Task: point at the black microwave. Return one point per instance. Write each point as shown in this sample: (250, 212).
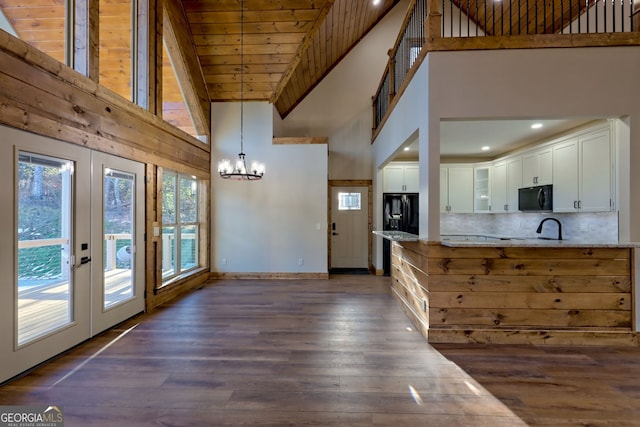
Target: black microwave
(539, 198)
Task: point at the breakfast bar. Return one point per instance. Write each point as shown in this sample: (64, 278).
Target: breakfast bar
(516, 291)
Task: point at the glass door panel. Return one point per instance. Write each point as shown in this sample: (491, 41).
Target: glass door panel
(118, 200)
(44, 279)
(118, 232)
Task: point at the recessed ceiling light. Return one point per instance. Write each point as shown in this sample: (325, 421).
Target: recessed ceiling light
(406, 149)
(536, 126)
(376, 2)
(486, 148)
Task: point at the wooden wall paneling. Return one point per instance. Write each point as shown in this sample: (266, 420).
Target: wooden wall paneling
(153, 253)
(539, 338)
(39, 60)
(509, 283)
(187, 67)
(518, 319)
(516, 294)
(122, 129)
(526, 300)
(525, 267)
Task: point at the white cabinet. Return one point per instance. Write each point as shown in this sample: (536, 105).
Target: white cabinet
(456, 189)
(506, 178)
(537, 167)
(583, 173)
(481, 190)
(401, 178)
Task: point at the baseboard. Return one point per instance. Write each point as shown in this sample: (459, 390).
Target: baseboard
(216, 275)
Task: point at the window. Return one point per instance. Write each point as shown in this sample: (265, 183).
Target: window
(40, 23)
(116, 45)
(180, 224)
(174, 107)
(44, 240)
(349, 201)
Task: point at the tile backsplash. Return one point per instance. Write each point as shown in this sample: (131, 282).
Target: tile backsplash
(577, 227)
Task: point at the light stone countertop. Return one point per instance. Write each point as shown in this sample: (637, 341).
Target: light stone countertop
(482, 240)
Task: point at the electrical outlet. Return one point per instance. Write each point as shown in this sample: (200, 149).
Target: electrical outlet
(584, 228)
(223, 261)
(300, 261)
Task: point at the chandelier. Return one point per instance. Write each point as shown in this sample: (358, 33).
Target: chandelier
(239, 170)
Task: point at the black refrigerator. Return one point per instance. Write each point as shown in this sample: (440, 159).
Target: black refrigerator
(400, 213)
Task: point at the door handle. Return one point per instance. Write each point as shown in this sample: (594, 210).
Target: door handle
(85, 260)
(334, 233)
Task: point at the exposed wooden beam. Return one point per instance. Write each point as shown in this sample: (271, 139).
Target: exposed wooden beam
(187, 67)
(301, 140)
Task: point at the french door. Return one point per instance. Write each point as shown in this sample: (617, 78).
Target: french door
(71, 209)
(117, 234)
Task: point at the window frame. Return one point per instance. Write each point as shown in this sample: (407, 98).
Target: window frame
(178, 224)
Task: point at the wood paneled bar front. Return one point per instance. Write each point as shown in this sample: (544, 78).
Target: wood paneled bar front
(550, 293)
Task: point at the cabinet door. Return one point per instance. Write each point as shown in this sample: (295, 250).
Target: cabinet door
(499, 187)
(444, 189)
(481, 190)
(461, 189)
(393, 179)
(514, 182)
(537, 167)
(565, 172)
(545, 166)
(529, 169)
(412, 178)
(595, 172)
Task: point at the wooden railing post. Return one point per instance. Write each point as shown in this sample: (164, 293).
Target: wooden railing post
(392, 74)
(433, 22)
(636, 17)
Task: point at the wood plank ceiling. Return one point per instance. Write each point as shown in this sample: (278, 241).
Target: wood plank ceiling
(289, 45)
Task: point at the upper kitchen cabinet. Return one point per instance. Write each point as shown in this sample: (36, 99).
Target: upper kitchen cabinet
(456, 188)
(537, 167)
(506, 178)
(583, 172)
(401, 177)
(481, 189)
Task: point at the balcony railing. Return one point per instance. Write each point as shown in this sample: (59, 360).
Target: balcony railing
(487, 24)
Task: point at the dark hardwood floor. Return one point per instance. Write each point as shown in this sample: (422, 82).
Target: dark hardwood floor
(336, 352)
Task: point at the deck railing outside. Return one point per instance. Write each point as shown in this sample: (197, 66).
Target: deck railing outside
(429, 20)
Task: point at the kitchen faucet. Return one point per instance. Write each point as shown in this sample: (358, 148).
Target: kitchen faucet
(539, 230)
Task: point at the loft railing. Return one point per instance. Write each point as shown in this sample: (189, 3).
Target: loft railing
(486, 24)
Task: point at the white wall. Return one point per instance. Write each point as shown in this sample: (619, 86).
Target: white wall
(267, 226)
(339, 107)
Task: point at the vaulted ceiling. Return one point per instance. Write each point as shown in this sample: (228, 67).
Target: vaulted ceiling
(288, 45)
